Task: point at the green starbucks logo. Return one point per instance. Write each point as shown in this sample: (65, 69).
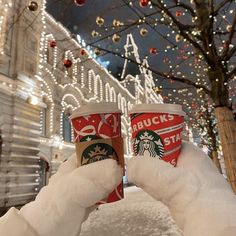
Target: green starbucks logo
(98, 152)
(149, 143)
(88, 138)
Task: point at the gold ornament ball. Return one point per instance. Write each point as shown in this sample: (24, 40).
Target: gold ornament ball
(94, 34)
(143, 32)
(178, 38)
(117, 23)
(33, 6)
(97, 51)
(116, 38)
(228, 28)
(99, 21)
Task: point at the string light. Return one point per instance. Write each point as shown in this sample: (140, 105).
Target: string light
(72, 83)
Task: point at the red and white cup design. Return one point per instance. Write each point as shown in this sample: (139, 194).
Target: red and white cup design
(98, 121)
(156, 131)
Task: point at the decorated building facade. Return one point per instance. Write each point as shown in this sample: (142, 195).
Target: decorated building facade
(45, 74)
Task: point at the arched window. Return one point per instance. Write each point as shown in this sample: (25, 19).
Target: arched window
(107, 92)
(100, 88)
(112, 95)
(45, 117)
(96, 92)
(43, 121)
(119, 101)
(66, 127)
(49, 54)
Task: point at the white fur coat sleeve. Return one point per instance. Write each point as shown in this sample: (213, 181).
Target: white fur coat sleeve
(61, 207)
(199, 198)
(13, 224)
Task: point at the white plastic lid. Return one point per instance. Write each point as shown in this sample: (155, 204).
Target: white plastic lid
(96, 108)
(160, 107)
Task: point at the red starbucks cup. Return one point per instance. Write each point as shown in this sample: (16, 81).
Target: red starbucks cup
(97, 136)
(156, 130)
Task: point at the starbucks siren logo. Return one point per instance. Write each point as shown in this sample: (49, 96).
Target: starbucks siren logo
(98, 152)
(149, 143)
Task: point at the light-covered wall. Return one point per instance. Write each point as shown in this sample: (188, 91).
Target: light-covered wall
(37, 91)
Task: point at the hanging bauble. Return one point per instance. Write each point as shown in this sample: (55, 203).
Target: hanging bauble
(152, 50)
(97, 51)
(52, 43)
(196, 61)
(116, 38)
(143, 3)
(79, 3)
(99, 21)
(186, 45)
(143, 32)
(94, 34)
(165, 60)
(117, 23)
(67, 63)
(178, 13)
(225, 45)
(157, 90)
(178, 38)
(228, 28)
(82, 52)
(33, 6)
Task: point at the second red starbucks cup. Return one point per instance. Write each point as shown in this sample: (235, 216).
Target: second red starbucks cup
(97, 136)
(156, 130)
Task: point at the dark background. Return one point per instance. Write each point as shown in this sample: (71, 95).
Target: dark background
(82, 20)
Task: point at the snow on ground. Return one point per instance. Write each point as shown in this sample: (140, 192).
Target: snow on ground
(137, 214)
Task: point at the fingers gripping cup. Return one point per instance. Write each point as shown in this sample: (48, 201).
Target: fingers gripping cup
(97, 136)
(156, 130)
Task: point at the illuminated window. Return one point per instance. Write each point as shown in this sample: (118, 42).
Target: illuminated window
(66, 128)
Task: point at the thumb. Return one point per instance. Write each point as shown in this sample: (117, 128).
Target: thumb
(88, 184)
(173, 186)
(61, 207)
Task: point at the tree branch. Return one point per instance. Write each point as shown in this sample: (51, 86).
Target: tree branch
(182, 32)
(228, 42)
(230, 53)
(221, 4)
(162, 74)
(185, 6)
(232, 74)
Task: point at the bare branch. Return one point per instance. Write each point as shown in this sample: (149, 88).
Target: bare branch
(232, 73)
(228, 42)
(230, 53)
(181, 28)
(223, 32)
(221, 5)
(185, 6)
(162, 74)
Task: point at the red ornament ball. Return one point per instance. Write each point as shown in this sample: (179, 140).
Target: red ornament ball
(165, 60)
(225, 45)
(178, 13)
(153, 51)
(67, 63)
(53, 43)
(143, 3)
(79, 3)
(83, 52)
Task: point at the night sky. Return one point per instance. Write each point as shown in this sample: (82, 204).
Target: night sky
(172, 55)
(82, 21)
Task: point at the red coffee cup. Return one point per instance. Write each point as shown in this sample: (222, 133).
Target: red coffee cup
(156, 130)
(97, 136)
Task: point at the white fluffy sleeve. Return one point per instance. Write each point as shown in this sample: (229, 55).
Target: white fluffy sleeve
(13, 224)
(199, 198)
